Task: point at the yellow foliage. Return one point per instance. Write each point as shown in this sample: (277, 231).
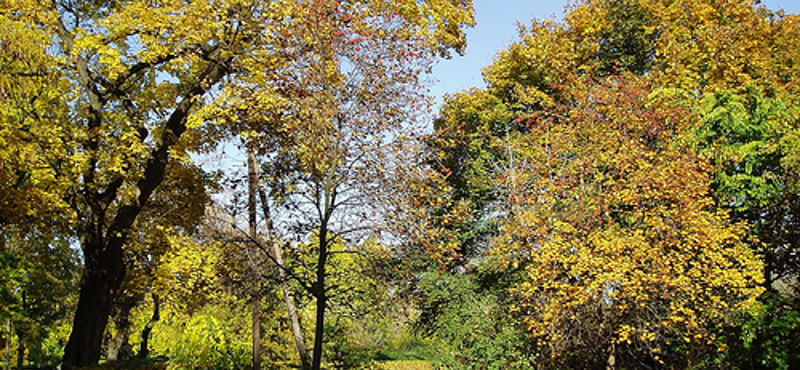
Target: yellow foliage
(617, 224)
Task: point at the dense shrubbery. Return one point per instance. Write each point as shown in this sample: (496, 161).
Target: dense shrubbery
(467, 316)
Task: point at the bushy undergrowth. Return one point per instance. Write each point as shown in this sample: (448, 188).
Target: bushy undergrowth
(465, 315)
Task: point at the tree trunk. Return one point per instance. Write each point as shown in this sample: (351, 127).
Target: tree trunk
(288, 297)
(102, 276)
(319, 331)
(291, 308)
(252, 176)
(116, 348)
(256, 330)
(144, 348)
(321, 296)
(20, 352)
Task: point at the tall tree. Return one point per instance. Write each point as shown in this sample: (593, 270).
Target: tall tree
(128, 76)
(354, 81)
(252, 229)
(595, 112)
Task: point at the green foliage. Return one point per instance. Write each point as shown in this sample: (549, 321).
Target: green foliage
(766, 338)
(342, 352)
(468, 150)
(52, 346)
(628, 44)
(749, 136)
(38, 275)
(467, 315)
(743, 132)
(212, 339)
(404, 365)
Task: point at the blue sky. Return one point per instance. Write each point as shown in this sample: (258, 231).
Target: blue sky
(497, 29)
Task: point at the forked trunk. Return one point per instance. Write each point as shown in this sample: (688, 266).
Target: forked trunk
(144, 349)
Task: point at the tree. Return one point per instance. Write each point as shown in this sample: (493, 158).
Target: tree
(39, 274)
(612, 216)
(598, 110)
(748, 135)
(699, 46)
(353, 83)
(176, 208)
(126, 76)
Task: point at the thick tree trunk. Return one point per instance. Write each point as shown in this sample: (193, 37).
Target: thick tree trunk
(102, 277)
(101, 241)
(144, 348)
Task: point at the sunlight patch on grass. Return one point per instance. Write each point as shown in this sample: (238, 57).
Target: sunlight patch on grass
(405, 365)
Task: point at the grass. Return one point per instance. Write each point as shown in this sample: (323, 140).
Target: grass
(405, 365)
(414, 355)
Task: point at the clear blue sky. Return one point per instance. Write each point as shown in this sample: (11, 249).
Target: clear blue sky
(497, 29)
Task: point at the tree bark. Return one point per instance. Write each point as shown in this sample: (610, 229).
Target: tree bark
(116, 349)
(319, 330)
(144, 348)
(256, 330)
(252, 183)
(291, 307)
(321, 297)
(103, 274)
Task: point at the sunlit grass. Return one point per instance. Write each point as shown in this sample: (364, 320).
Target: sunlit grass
(404, 365)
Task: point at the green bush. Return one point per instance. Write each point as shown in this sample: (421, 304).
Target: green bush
(212, 339)
(768, 337)
(342, 353)
(466, 313)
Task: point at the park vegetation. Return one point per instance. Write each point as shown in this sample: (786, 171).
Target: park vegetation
(241, 184)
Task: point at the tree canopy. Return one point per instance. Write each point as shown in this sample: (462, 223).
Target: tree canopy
(623, 193)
